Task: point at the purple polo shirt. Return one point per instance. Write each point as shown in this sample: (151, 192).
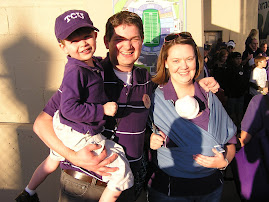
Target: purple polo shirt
(132, 114)
(83, 96)
(257, 115)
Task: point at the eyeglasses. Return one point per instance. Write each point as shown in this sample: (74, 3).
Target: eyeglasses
(171, 37)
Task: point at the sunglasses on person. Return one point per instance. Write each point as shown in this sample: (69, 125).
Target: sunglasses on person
(172, 37)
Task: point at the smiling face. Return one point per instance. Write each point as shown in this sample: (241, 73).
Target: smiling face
(81, 46)
(124, 47)
(181, 64)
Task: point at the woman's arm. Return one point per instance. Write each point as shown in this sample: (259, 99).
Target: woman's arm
(230, 153)
(84, 158)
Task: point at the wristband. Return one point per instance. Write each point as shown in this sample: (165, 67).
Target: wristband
(224, 166)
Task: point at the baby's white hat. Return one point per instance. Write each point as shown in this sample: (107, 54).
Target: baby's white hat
(187, 107)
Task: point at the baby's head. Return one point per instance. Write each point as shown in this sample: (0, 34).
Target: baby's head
(187, 107)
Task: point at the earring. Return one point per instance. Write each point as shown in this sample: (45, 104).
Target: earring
(166, 67)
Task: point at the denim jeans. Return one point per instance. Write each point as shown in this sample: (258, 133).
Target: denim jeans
(155, 196)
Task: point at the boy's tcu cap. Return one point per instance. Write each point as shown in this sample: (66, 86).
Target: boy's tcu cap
(70, 21)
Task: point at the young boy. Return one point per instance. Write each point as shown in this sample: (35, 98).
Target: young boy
(80, 118)
(237, 87)
(259, 77)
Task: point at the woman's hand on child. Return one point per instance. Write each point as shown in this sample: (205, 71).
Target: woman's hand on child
(216, 161)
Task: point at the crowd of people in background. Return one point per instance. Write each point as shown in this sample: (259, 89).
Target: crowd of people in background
(237, 72)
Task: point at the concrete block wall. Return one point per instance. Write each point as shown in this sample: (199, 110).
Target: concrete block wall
(31, 69)
(31, 63)
(21, 152)
(235, 18)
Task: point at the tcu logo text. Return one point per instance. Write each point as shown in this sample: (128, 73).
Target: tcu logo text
(73, 16)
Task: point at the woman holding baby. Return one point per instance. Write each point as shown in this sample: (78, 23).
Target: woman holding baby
(196, 137)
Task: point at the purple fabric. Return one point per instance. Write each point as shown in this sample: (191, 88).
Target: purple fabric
(70, 21)
(256, 116)
(251, 168)
(253, 159)
(131, 118)
(53, 104)
(66, 165)
(83, 96)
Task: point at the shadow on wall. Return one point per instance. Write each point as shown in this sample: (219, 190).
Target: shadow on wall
(26, 69)
(21, 152)
(24, 76)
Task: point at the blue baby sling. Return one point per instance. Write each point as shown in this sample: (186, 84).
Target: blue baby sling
(189, 138)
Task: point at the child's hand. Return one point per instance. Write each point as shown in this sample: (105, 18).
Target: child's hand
(110, 108)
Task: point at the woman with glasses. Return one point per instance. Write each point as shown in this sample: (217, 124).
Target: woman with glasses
(195, 137)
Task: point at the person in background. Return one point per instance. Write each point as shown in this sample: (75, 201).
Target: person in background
(254, 142)
(207, 58)
(236, 88)
(255, 119)
(263, 48)
(252, 34)
(230, 48)
(259, 77)
(188, 153)
(251, 52)
(248, 62)
(220, 67)
(219, 73)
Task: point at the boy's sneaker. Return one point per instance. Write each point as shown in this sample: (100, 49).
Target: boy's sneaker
(25, 197)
